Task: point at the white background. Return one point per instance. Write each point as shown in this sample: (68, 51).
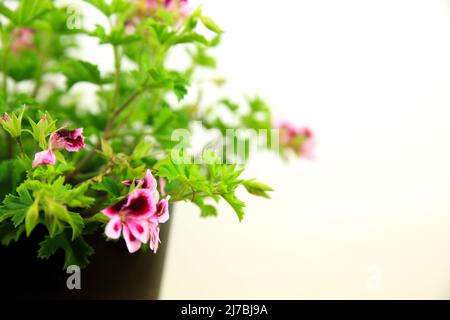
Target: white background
(370, 217)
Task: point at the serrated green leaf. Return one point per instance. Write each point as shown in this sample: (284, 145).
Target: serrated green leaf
(80, 71)
(10, 233)
(76, 252)
(236, 204)
(16, 207)
(108, 185)
(76, 197)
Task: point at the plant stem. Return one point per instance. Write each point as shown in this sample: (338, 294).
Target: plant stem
(19, 143)
(9, 147)
(105, 135)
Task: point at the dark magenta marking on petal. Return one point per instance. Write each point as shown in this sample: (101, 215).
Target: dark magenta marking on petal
(116, 208)
(139, 205)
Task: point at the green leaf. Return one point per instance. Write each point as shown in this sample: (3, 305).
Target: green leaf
(180, 87)
(10, 233)
(101, 5)
(80, 71)
(76, 251)
(16, 207)
(108, 185)
(206, 210)
(30, 10)
(5, 11)
(13, 124)
(42, 129)
(191, 37)
(76, 198)
(211, 25)
(56, 212)
(236, 204)
(32, 217)
(161, 32)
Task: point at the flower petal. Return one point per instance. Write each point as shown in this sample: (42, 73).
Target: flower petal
(162, 210)
(44, 158)
(115, 209)
(113, 228)
(133, 244)
(154, 241)
(149, 181)
(140, 204)
(140, 229)
(71, 140)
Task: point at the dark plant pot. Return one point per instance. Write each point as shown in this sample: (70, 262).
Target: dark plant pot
(113, 273)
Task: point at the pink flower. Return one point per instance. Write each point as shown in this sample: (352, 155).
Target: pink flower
(300, 140)
(148, 182)
(308, 145)
(46, 157)
(131, 215)
(149, 7)
(287, 132)
(6, 118)
(71, 140)
(161, 215)
(23, 40)
(178, 6)
(161, 212)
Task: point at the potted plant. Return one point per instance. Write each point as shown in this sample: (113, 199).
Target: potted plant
(91, 185)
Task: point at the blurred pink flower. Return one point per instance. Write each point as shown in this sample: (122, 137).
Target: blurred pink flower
(147, 8)
(6, 118)
(71, 140)
(308, 145)
(301, 140)
(22, 40)
(46, 157)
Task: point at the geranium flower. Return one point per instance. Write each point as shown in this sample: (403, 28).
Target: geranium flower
(162, 211)
(160, 214)
(46, 157)
(149, 7)
(300, 140)
(308, 146)
(6, 118)
(131, 215)
(148, 182)
(71, 140)
(23, 40)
